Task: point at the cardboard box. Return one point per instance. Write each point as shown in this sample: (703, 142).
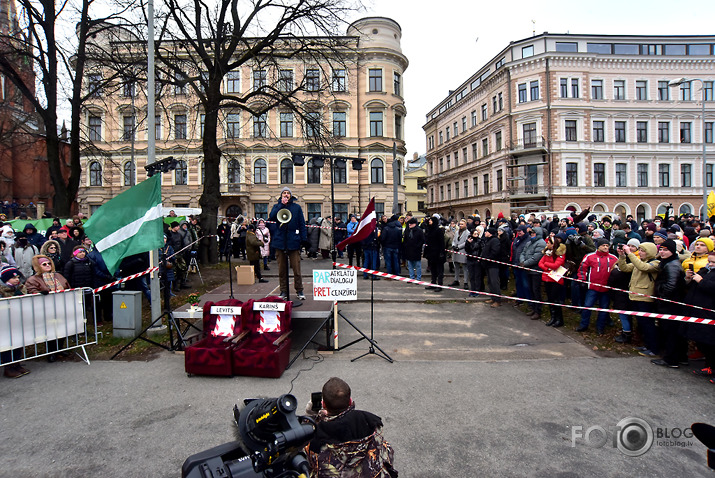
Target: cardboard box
(245, 275)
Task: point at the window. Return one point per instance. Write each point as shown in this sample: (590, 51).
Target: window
(180, 82)
(709, 175)
(203, 172)
(486, 183)
(686, 178)
(233, 82)
(485, 147)
(446, 130)
(202, 120)
(597, 89)
(441, 164)
(466, 187)
(500, 179)
(129, 88)
(287, 171)
(377, 171)
(709, 132)
(529, 135)
(286, 124)
(475, 185)
(501, 101)
(181, 174)
(455, 129)
(233, 169)
(375, 79)
(620, 131)
(619, 89)
(157, 127)
(129, 173)
(464, 124)
(313, 173)
(566, 47)
(564, 87)
(664, 175)
(527, 51)
(534, 90)
(396, 82)
(314, 210)
(642, 131)
(95, 174)
(449, 162)
(285, 80)
(260, 172)
(685, 129)
(340, 172)
(95, 128)
(474, 151)
(260, 209)
(464, 155)
(312, 79)
(495, 104)
(599, 175)
(663, 91)
(376, 124)
(233, 125)
(456, 159)
(663, 132)
(128, 131)
(572, 175)
(312, 124)
(474, 118)
(685, 92)
(484, 112)
(602, 48)
(621, 175)
(340, 209)
(260, 126)
(641, 90)
(598, 132)
(522, 93)
(94, 85)
(570, 130)
(497, 141)
(708, 90)
(180, 126)
(642, 175)
(339, 80)
(259, 79)
(574, 88)
(340, 124)
(441, 193)
(456, 190)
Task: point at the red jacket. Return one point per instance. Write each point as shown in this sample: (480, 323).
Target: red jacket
(596, 268)
(551, 263)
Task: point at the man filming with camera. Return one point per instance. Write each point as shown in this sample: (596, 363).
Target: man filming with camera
(348, 443)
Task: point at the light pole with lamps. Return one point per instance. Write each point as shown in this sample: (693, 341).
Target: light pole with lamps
(679, 82)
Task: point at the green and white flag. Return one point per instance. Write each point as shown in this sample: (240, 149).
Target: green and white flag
(128, 224)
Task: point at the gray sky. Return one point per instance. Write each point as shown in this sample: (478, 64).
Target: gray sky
(439, 37)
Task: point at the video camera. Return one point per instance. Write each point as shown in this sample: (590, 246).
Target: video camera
(271, 438)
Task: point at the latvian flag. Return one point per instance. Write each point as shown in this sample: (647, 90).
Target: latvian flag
(367, 224)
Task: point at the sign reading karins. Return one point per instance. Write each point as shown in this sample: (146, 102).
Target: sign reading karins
(335, 285)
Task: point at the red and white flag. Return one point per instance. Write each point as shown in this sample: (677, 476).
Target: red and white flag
(367, 224)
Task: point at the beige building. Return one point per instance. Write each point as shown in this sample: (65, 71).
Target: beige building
(558, 122)
(415, 185)
(359, 104)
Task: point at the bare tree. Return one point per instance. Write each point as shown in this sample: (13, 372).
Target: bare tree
(199, 44)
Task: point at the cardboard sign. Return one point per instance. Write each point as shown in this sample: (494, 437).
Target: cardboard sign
(339, 284)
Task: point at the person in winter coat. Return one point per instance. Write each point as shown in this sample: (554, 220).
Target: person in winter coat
(391, 241)
(51, 249)
(166, 265)
(253, 251)
(67, 245)
(699, 258)
(56, 226)
(505, 246)
(354, 249)
(553, 258)
(577, 246)
(521, 279)
(618, 281)
(644, 268)
(287, 241)
(412, 243)
(701, 293)
(340, 233)
(459, 242)
(670, 285)
(23, 252)
(596, 267)
(530, 257)
(326, 231)
(238, 238)
(434, 252)
(224, 233)
(491, 251)
(264, 235)
(33, 237)
(473, 249)
(10, 286)
(79, 272)
(314, 239)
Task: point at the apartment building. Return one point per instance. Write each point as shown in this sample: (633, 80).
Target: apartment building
(562, 121)
(360, 102)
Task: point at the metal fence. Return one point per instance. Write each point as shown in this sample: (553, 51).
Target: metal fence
(38, 325)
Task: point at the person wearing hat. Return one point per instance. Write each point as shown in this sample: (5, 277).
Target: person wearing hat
(23, 252)
(412, 243)
(530, 257)
(670, 285)
(178, 240)
(10, 286)
(595, 269)
(287, 242)
(520, 241)
(644, 267)
(553, 259)
(699, 257)
(253, 251)
(577, 246)
(67, 245)
(491, 251)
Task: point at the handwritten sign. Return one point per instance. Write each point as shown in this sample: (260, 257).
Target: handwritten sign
(340, 284)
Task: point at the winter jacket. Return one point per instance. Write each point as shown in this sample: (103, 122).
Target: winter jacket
(531, 255)
(80, 273)
(66, 249)
(669, 284)
(55, 256)
(643, 272)
(253, 247)
(291, 235)
(264, 235)
(517, 247)
(459, 242)
(698, 262)
(325, 235)
(391, 237)
(577, 246)
(10, 291)
(596, 267)
(412, 243)
(473, 249)
(37, 284)
(551, 262)
(491, 250)
(23, 258)
(371, 242)
(434, 243)
(700, 294)
(313, 235)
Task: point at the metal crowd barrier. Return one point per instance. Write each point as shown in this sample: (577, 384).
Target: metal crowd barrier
(37, 325)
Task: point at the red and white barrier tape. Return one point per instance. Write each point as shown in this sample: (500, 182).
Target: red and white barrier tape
(587, 283)
(652, 315)
(124, 279)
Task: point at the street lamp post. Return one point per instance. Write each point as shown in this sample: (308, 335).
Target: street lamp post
(679, 82)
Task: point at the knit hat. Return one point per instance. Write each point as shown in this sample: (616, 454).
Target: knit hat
(708, 242)
(286, 188)
(570, 231)
(670, 245)
(8, 273)
(562, 236)
(500, 215)
(704, 233)
(493, 231)
(652, 227)
(582, 227)
(661, 233)
(412, 220)
(174, 224)
(601, 241)
(634, 242)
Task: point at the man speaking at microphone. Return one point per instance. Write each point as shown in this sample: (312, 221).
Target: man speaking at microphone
(288, 239)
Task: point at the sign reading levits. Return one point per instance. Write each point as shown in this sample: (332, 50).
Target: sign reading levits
(335, 284)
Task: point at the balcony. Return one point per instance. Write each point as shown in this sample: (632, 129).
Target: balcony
(528, 145)
(526, 192)
(234, 189)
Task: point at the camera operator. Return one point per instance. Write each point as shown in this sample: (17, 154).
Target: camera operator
(350, 434)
